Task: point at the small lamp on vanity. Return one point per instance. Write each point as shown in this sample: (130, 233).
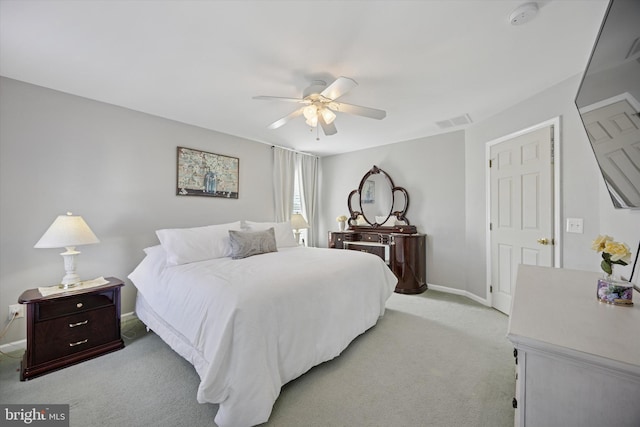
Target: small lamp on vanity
(298, 223)
(68, 231)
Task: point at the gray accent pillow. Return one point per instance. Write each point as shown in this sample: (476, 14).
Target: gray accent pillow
(248, 243)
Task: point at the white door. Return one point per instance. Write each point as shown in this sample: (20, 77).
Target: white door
(521, 209)
(614, 132)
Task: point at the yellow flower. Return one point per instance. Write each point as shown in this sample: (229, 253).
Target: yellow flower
(600, 242)
(618, 251)
(341, 218)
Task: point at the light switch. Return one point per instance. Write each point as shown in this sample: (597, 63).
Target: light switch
(574, 225)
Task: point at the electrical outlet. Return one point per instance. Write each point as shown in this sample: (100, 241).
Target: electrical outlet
(16, 309)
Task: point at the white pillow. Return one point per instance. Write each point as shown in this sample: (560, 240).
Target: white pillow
(283, 232)
(156, 258)
(185, 245)
(145, 275)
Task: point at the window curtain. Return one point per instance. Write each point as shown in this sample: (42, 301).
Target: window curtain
(284, 167)
(287, 167)
(308, 184)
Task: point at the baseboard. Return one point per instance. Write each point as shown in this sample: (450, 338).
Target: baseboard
(127, 317)
(467, 294)
(22, 344)
(14, 346)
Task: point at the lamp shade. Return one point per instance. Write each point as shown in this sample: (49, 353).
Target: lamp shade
(298, 222)
(67, 230)
(310, 111)
(328, 115)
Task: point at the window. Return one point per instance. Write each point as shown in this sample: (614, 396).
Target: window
(297, 197)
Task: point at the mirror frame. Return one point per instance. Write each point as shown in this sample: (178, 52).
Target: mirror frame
(373, 225)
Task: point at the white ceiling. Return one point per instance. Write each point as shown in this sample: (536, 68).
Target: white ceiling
(201, 62)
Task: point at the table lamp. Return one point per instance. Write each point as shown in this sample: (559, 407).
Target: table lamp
(298, 223)
(68, 231)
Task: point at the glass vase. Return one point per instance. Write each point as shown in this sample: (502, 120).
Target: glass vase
(613, 290)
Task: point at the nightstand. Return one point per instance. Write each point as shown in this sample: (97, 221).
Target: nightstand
(70, 327)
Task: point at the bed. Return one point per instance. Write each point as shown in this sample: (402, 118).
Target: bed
(250, 325)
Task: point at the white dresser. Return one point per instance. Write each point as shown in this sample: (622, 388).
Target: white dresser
(577, 359)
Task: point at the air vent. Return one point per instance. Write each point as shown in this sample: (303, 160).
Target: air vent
(455, 121)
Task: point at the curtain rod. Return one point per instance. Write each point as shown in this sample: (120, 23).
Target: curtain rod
(295, 151)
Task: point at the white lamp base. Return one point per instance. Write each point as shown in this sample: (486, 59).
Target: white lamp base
(71, 278)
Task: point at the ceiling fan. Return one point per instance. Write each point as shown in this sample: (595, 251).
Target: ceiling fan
(320, 102)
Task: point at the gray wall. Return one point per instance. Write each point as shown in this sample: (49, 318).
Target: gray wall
(583, 194)
(113, 166)
(445, 177)
(433, 172)
(116, 168)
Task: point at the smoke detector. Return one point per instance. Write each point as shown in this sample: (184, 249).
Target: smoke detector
(523, 14)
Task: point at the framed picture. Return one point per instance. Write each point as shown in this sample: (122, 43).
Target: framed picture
(369, 191)
(207, 174)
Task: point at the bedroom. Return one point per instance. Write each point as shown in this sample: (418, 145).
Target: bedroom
(116, 167)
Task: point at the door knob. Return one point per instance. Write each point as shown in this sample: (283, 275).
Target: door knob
(543, 241)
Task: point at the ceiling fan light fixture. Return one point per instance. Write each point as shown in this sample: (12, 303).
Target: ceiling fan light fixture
(320, 106)
(312, 121)
(310, 111)
(328, 115)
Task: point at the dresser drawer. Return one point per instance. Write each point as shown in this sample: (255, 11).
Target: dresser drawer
(63, 307)
(67, 335)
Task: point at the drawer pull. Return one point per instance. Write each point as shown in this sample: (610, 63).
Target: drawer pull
(73, 344)
(73, 325)
(79, 305)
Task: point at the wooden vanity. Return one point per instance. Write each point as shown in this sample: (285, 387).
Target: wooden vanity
(378, 225)
(404, 253)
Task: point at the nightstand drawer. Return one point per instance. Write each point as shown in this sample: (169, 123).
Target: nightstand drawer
(72, 305)
(67, 335)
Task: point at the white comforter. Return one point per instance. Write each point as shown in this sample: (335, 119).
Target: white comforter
(251, 325)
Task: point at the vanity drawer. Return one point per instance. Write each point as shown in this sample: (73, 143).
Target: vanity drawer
(376, 250)
(67, 335)
(371, 237)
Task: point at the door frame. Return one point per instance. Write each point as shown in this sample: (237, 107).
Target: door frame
(557, 226)
(624, 96)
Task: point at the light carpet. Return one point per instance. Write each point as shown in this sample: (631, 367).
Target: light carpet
(434, 359)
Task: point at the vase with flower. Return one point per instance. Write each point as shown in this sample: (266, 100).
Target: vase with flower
(611, 288)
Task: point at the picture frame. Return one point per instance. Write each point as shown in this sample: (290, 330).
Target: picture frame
(200, 173)
(369, 191)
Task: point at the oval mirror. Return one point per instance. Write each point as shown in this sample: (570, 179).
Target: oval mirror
(376, 198)
(378, 202)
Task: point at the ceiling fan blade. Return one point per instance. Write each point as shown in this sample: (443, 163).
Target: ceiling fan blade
(327, 128)
(339, 87)
(371, 113)
(279, 98)
(285, 119)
